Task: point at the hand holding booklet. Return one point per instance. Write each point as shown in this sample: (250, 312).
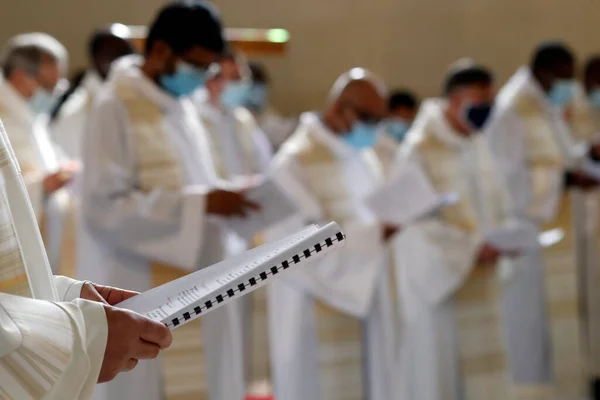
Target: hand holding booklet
(407, 198)
(201, 292)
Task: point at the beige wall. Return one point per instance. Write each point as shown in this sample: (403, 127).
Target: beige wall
(409, 42)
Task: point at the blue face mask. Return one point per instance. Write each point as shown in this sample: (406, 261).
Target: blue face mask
(362, 135)
(594, 98)
(257, 98)
(235, 94)
(397, 128)
(562, 92)
(186, 79)
(42, 101)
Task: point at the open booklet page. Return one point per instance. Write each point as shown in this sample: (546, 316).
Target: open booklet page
(407, 197)
(193, 295)
(276, 207)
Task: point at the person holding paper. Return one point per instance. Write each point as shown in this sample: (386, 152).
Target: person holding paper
(342, 304)
(452, 266)
(58, 337)
(238, 146)
(536, 154)
(151, 197)
(33, 65)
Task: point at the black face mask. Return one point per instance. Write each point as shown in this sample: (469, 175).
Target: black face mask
(477, 115)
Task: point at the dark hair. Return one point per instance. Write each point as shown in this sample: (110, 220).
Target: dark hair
(466, 73)
(402, 98)
(74, 85)
(258, 72)
(592, 66)
(548, 55)
(186, 24)
(102, 38)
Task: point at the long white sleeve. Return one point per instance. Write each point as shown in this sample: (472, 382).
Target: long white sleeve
(49, 350)
(161, 225)
(435, 255)
(534, 177)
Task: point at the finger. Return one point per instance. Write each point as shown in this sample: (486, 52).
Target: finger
(157, 333)
(145, 350)
(113, 295)
(89, 292)
(251, 205)
(129, 365)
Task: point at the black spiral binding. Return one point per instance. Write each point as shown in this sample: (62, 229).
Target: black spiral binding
(263, 276)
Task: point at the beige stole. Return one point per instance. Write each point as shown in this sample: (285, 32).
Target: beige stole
(339, 335)
(560, 267)
(244, 126)
(159, 166)
(477, 302)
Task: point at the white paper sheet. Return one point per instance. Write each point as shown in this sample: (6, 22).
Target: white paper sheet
(196, 294)
(407, 197)
(276, 208)
(521, 237)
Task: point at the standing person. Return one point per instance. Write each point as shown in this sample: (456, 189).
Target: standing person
(69, 116)
(239, 147)
(534, 148)
(582, 115)
(55, 343)
(33, 65)
(344, 348)
(150, 192)
(277, 127)
(402, 109)
(447, 268)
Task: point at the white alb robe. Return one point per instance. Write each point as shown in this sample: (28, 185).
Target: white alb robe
(39, 156)
(454, 312)
(317, 356)
(533, 147)
(238, 146)
(51, 343)
(70, 124)
(144, 197)
(584, 122)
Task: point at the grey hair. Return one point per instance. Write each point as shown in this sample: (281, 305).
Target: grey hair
(26, 52)
(353, 75)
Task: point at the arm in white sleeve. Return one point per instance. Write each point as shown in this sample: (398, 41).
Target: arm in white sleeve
(68, 289)
(435, 255)
(50, 350)
(161, 225)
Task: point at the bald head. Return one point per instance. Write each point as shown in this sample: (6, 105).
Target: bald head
(357, 96)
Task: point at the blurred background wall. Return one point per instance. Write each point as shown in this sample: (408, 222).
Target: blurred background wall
(408, 42)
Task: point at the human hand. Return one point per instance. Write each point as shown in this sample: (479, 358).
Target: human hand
(57, 180)
(389, 231)
(488, 254)
(131, 337)
(105, 294)
(583, 181)
(229, 204)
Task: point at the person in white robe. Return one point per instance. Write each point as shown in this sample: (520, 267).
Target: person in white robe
(239, 147)
(402, 109)
(150, 192)
(534, 151)
(69, 116)
(449, 271)
(276, 126)
(55, 343)
(331, 325)
(582, 115)
(32, 65)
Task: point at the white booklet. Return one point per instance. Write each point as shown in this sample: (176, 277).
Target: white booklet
(201, 292)
(276, 208)
(407, 197)
(522, 236)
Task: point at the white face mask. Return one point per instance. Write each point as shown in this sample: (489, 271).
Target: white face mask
(42, 101)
